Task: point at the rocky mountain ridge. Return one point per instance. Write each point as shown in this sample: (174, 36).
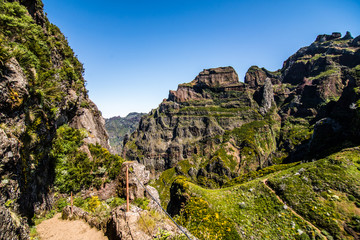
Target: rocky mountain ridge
(309, 84)
(215, 135)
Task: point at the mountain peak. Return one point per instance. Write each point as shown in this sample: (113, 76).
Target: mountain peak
(334, 35)
(216, 77)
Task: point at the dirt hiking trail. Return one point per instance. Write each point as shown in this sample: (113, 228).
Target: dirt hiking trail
(58, 229)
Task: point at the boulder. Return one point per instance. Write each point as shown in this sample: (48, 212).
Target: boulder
(78, 213)
(138, 177)
(130, 225)
(154, 197)
(123, 225)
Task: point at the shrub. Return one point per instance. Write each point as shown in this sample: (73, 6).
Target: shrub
(79, 202)
(73, 169)
(355, 223)
(116, 201)
(104, 159)
(61, 203)
(93, 203)
(351, 198)
(141, 203)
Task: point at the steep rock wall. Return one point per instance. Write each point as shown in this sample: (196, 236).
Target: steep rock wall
(42, 88)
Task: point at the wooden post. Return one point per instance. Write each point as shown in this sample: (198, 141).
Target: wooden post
(72, 203)
(127, 188)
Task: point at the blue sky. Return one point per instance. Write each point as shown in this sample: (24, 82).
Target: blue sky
(135, 51)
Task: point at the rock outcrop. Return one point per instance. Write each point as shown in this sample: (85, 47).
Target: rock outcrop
(91, 120)
(267, 100)
(131, 225)
(137, 176)
(12, 226)
(256, 76)
(326, 37)
(225, 78)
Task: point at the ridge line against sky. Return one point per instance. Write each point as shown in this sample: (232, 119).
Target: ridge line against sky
(134, 52)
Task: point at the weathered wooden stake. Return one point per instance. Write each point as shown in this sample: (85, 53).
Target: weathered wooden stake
(72, 203)
(127, 188)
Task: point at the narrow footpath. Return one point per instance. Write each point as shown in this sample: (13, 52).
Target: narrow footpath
(292, 210)
(58, 229)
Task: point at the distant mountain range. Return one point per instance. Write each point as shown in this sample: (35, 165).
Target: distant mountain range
(119, 127)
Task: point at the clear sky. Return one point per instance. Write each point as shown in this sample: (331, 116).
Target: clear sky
(135, 51)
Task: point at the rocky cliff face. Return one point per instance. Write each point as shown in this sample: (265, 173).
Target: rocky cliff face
(194, 120)
(42, 88)
(224, 127)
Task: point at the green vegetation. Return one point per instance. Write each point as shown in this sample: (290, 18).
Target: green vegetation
(98, 209)
(294, 132)
(249, 208)
(254, 69)
(257, 139)
(23, 39)
(215, 111)
(260, 173)
(141, 203)
(318, 190)
(51, 69)
(73, 168)
(325, 193)
(204, 222)
(115, 201)
(325, 73)
(308, 58)
(164, 182)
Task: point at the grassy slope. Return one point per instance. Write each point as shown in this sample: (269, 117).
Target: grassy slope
(325, 193)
